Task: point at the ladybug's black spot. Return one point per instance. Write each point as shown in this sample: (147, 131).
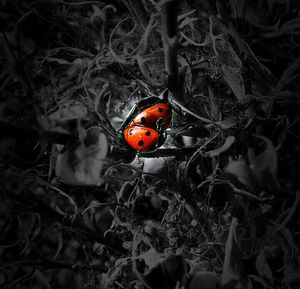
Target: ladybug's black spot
(131, 132)
(143, 120)
(140, 143)
(160, 109)
(148, 133)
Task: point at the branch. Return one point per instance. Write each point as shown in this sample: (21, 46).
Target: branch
(169, 152)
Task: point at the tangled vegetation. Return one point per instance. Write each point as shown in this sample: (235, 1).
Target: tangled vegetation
(80, 209)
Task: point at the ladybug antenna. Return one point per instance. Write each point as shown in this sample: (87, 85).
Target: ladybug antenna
(164, 95)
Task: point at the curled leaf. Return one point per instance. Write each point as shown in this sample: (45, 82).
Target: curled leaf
(227, 144)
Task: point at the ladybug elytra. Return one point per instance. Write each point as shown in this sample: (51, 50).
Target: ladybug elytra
(141, 138)
(151, 115)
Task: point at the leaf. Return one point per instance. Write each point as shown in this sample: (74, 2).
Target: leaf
(70, 199)
(225, 123)
(41, 278)
(228, 271)
(115, 56)
(207, 280)
(192, 42)
(142, 47)
(113, 273)
(183, 16)
(69, 110)
(58, 60)
(60, 243)
(234, 275)
(82, 163)
(188, 74)
(150, 257)
(241, 170)
(157, 166)
(231, 67)
(262, 266)
(167, 274)
(187, 21)
(227, 144)
(291, 27)
(227, 56)
(236, 83)
(288, 75)
(144, 69)
(265, 165)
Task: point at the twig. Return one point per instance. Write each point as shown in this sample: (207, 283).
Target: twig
(169, 152)
(201, 118)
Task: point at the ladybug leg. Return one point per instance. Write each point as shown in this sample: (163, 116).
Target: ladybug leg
(159, 125)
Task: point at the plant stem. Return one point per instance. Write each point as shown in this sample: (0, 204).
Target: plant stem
(169, 11)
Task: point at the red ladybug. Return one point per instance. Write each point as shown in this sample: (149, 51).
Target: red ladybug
(141, 138)
(153, 114)
(144, 128)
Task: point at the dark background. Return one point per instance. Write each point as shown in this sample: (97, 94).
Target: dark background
(80, 209)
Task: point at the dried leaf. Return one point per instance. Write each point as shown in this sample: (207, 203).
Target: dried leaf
(227, 56)
(142, 47)
(82, 164)
(288, 75)
(291, 27)
(207, 280)
(187, 21)
(183, 16)
(265, 165)
(42, 279)
(227, 144)
(236, 83)
(262, 266)
(165, 275)
(225, 123)
(233, 275)
(69, 110)
(241, 170)
(188, 72)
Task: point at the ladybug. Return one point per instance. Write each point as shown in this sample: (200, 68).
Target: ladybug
(153, 114)
(141, 138)
(144, 128)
